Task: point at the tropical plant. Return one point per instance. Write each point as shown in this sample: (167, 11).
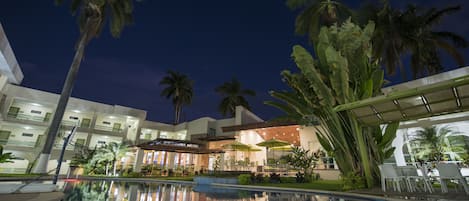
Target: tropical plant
(317, 13)
(179, 88)
(82, 156)
(5, 157)
(108, 155)
(398, 32)
(304, 160)
(412, 31)
(432, 143)
(344, 72)
(92, 15)
(233, 95)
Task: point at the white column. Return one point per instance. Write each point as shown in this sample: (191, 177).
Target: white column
(398, 142)
(138, 160)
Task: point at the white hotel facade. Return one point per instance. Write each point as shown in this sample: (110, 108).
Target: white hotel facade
(25, 115)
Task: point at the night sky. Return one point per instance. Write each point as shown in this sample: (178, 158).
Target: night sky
(210, 41)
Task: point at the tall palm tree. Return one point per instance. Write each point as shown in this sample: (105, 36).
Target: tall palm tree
(179, 88)
(92, 15)
(233, 95)
(317, 13)
(412, 31)
(432, 142)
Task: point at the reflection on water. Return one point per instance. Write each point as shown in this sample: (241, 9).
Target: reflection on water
(123, 191)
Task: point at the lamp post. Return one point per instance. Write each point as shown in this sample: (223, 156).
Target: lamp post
(62, 152)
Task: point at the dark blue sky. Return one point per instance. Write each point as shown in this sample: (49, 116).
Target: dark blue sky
(210, 41)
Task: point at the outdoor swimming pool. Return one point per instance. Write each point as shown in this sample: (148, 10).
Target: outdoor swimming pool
(120, 191)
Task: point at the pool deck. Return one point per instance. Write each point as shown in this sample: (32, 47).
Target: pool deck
(374, 194)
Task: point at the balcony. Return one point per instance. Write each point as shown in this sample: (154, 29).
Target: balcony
(18, 143)
(28, 117)
(108, 128)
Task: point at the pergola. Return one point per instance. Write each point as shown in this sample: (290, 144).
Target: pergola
(444, 97)
(436, 95)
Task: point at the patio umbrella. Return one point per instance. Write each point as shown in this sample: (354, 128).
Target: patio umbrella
(272, 143)
(236, 146)
(283, 148)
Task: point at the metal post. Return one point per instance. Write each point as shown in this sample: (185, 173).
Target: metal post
(62, 152)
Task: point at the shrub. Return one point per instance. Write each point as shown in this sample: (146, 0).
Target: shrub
(274, 178)
(353, 181)
(244, 179)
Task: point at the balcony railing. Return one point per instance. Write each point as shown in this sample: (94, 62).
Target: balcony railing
(108, 128)
(18, 143)
(69, 123)
(28, 117)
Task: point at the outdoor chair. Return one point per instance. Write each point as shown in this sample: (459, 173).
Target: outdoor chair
(412, 178)
(389, 173)
(449, 171)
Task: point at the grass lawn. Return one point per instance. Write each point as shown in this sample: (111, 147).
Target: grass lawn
(328, 185)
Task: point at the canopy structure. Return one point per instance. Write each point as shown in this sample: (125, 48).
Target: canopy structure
(178, 146)
(431, 96)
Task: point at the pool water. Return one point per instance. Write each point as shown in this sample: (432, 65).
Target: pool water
(124, 191)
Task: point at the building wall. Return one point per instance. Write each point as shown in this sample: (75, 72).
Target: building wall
(308, 138)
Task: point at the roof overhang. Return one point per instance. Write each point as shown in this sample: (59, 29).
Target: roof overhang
(177, 146)
(432, 96)
(8, 64)
(257, 125)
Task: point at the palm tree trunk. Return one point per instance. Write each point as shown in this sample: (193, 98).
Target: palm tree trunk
(177, 113)
(114, 167)
(41, 165)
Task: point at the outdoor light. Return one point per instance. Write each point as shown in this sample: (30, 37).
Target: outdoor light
(76, 111)
(36, 104)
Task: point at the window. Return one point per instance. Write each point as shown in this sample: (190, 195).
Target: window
(36, 112)
(27, 134)
(72, 117)
(211, 132)
(80, 142)
(107, 122)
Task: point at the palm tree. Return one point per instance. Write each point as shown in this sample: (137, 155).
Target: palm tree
(412, 31)
(317, 13)
(92, 15)
(233, 95)
(109, 154)
(397, 34)
(179, 88)
(432, 142)
(5, 157)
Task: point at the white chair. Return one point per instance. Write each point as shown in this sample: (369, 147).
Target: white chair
(451, 171)
(389, 173)
(412, 178)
